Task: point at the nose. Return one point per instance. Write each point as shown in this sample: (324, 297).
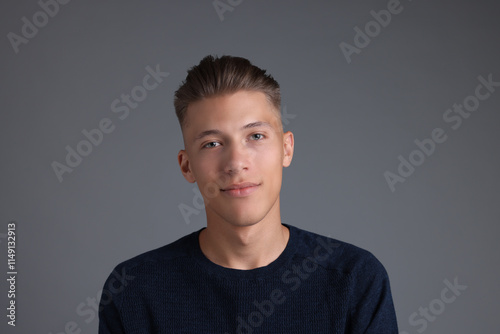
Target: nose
(237, 158)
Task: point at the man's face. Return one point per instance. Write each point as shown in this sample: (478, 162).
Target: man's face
(235, 150)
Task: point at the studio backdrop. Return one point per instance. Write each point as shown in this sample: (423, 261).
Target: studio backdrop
(394, 105)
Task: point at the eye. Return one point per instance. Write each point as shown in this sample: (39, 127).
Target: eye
(257, 136)
(211, 144)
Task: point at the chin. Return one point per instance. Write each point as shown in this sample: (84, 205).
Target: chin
(241, 215)
(242, 220)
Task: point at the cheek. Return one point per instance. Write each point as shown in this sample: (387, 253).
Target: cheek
(204, 171)
(202, 165)
(270, 162)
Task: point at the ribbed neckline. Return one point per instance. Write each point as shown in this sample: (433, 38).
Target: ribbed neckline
(218, 270)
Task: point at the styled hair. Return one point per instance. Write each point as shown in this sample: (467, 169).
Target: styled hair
(215, 76)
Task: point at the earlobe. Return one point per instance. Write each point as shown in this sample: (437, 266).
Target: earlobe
(288, 144)
(183, 159)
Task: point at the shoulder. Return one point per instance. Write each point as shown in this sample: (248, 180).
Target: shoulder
(336, 255)
(129, 279)
(162, 257)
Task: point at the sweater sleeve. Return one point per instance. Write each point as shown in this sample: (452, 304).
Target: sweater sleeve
(109, 314)
(371, 307)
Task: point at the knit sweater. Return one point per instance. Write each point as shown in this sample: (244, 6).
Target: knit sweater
(317, 285)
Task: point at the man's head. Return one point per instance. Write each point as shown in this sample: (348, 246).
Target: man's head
(215, 76)
(235, 148)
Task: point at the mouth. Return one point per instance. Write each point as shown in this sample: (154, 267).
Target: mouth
(240, 189)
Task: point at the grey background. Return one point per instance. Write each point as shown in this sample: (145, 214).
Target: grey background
(352, 121)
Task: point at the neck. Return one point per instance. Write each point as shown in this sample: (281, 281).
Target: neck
(244, 247)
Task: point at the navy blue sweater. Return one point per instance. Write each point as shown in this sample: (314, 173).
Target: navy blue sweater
(317, 285)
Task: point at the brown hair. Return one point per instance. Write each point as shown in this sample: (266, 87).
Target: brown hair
(217, 76)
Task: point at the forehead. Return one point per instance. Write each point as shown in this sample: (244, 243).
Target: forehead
(229, 112)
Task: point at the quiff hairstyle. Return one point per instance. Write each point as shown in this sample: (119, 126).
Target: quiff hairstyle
(215, 76)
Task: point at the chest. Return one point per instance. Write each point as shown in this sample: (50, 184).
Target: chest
(289, 303)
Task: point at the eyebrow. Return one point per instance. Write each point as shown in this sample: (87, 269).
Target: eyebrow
(247, 126)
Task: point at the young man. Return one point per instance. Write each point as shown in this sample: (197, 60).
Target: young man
(246, 272)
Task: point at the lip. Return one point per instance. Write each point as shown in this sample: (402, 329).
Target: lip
(240, 189)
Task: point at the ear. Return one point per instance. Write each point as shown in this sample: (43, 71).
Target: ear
(288, 142)
(183, 159)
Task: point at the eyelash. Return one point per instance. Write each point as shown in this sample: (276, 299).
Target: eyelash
(253, 134)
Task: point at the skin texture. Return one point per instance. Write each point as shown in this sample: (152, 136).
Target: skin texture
(245, 231)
